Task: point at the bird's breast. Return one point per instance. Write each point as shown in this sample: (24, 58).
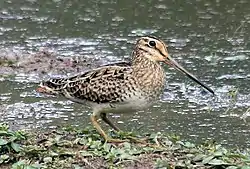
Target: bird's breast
(129, 105)
(151, 82)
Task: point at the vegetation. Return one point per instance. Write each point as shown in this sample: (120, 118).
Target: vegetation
(82, 148)
(4, 62)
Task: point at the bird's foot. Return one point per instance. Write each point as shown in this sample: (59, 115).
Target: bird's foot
(112, 140)
(138, 140)
(144, 141)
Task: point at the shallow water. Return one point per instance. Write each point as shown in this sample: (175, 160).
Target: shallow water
(211, 40)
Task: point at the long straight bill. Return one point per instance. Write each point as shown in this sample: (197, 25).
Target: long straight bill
(174, 64)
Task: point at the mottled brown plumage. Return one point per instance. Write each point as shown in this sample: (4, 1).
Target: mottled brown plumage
(122, 87)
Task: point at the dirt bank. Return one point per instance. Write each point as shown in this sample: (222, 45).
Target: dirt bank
(42, 62)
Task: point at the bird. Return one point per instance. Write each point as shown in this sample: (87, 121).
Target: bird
(120, 88)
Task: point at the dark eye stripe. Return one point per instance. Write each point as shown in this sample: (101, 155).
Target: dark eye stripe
(154, 48)
(160, 52)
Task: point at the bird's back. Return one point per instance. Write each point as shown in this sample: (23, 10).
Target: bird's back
(108, 84)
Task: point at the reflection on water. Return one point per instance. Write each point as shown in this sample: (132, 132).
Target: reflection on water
(211, 40)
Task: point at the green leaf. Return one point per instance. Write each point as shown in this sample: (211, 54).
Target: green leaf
(12, 138)
(218, 154)
(23, 165)
(86, 153)
(162, 164)
(37, 166)
(16, 147)
(18, 165)
(82, 141)
(53, 154)
(217, 162)
(199, 157)
(125, 156)
(2, 133)
(106, 147)
(31, 167)
(245, 167)
(127, 145)
(47, 159)
(207, 159)
(4, 158)
(4, 126)
(77, 167)
(188, 145)
(3, 142)
(232, 167)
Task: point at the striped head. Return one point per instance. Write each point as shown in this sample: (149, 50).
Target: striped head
(155, 50)
(152, 48)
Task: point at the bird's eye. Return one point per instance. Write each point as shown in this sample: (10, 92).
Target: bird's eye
(152, 43)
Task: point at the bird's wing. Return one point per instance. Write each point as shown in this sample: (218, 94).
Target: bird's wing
(102, 85)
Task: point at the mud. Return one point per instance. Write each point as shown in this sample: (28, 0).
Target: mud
(42, 62)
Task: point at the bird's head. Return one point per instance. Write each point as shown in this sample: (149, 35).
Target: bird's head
(156, 51)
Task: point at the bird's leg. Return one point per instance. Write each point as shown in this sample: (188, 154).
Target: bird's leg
(106, 120)
(101, 132)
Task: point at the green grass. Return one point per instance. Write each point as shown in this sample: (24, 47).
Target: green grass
(83, 148)
(6, 62)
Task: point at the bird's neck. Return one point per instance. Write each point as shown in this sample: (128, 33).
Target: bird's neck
(149, 73)
(141, 62)
(139, 58)
(147, 69)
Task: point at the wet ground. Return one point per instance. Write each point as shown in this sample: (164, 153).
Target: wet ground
(40, 39)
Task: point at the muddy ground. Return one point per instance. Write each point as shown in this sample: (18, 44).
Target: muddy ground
(42, 62)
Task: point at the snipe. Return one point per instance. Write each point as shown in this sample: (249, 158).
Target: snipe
(120, 88)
